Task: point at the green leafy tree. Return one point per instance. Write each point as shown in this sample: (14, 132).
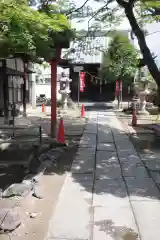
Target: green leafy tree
(26, 31)
(29, 34)
(138, 13)
(120, 60)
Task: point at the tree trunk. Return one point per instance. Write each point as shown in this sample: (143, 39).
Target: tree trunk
(158, 98)
(147, 56)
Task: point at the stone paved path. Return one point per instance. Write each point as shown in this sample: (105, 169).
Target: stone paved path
(108, 194)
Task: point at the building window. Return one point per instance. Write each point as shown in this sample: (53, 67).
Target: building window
(15, 89)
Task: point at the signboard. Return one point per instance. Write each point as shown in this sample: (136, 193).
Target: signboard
(117, 89)
(82, 81)
(78, 68)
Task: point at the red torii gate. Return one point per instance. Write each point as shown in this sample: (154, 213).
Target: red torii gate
(54, 63)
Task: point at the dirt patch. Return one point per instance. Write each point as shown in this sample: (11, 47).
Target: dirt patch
(9, 175)
(36, 213)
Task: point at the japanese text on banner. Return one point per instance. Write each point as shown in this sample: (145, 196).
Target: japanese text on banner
(82, 81)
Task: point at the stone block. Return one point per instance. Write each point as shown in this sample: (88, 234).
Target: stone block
(108, 157)
(129, 157)
(110, 169)
(147, 215)
(88, 140)
(110, 193)
(125, 153)
(132, 170)
(83, 166)
(155, 176)
(142, 189)
(114, 222)
(106, 147)
(105, 137)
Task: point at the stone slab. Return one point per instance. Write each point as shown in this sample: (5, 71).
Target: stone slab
(109, 170)
(71, 218)
(150, 156)
(125, 147)
(132, 170)
(133, 158)
(83, 157)
(107, 165)
(110, 193)
(88, 140)
(104, 128)
(84, 151)
(127, 153)
(153, 165)
(104, 120)
(114, 222)
(106, 147)
(147, 215)
(83, 166)
(155, 176)
(90, 128)
(105, 137)
(108, 157)
(120, 137)
(91, 131)
(142, 189)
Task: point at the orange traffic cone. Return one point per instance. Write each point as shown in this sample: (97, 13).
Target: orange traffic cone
(134, 118)
(43, 108)
(60, 135)
(82, 111)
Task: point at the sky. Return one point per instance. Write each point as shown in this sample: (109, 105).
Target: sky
(153, 29)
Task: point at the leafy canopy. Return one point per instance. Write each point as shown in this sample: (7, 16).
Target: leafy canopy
(28, 31)
(120, 60)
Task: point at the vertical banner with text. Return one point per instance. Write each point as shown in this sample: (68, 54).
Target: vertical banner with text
(120, 86)
(117, 89)
(82, 81)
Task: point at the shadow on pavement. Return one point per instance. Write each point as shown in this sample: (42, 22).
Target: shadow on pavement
(129, 172)
(97, 107)
(115, 174)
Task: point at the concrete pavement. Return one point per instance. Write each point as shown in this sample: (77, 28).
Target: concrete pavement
(108, 195)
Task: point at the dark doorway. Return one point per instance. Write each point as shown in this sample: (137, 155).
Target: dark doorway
(93, 91)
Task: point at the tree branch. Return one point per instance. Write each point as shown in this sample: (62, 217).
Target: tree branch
(77, 9)
(122, 3)
(147, 56)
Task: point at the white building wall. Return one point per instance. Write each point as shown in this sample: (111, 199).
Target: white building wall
(43, 89)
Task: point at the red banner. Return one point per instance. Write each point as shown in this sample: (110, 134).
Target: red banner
(82, 81)
(117, 89)
(120, 86)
